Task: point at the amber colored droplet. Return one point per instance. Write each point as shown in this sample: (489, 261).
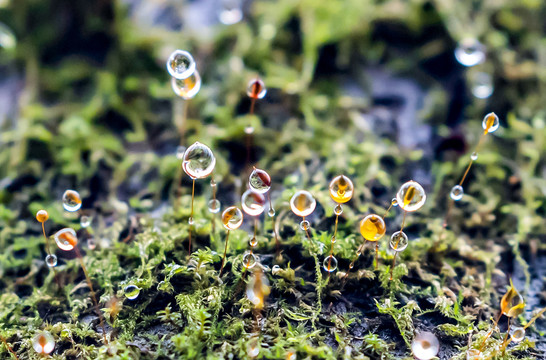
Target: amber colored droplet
(42, 216)
(372, 227)
(255, 89)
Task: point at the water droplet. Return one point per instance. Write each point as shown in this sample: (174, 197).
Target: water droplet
(470, 52)
(256, 89)
(131, 292)
(457, 192)
(411, 196)
(180, 150)
(66, 239)
(7, 38)
(230, 11)
(187, 88)
(253, 242)
(253, 202)
(304, 225)
(481, 85)
(259, 181)
(232, 218)
(330, 263)
(399, 241)
(338, 209)
(517, 334)
(43, 343)
(190, 220)
(249, 260)
(42, 216)
(473, 354)
(271, 212)
(199, 161)
(291, 355)
(85, 221)
(490, 122)
(372, 227)
(275, 269)
(72, 200)
(180, 64)
(425, 346)
(303, 203)
(249, 130)
(351, 265)
(394, 202)
(91, 244)
(212, 183)
(474, 156)
(253, 350)
(214, 206)
(341, 189)
(51, 260)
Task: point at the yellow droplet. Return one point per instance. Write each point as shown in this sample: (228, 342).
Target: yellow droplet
(372, 227)
(341, 189)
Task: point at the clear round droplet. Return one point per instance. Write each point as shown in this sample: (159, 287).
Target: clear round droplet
(51, 260)
(180, 64)
(230, 11)
(180, 150)
(481, 85)
(303, 203)
(253, 203)
(473, 354)
(72, 200)
(490, 122)
(66, 239)
(517, 334)
(259, 181)
(271, 212)
(199, 161)
(394, 202)
(399, 241)
(470, 52)
(190, 220)
(249, 130)
(253, 242)
(330, 263)
(187, 88)
(372, 227)
(275, 269)
(249, 260)
(253, 350)
(256, 89)
(91, 244)
(474, 156)
(411, 196)
(341, 189)
(131, 292)
(304, 225)
(338, 209)
(425, 346)
(213, 183)
(43, 343)
(85, 221)
(214, 206)
(457, 192)
(232, 218)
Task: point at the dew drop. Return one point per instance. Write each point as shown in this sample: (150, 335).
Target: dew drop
(271, 212)
(7, 38)
(214, 206)
(180, 64)
(470, 52)
(474, 156)
(249, 130)
(187, 88)
(303, 203)
(490, 122)
(85, 221)
(180, 150)
(66, 239)
(394, 202)
(457, 192)
(330, 263)
(199, 161)
(411, 196)
(481, 85)
(253, 242)
(230, 11)
(72, 200)
(259, 181)
(425, 346)
(232, 218)
(131, 292)
(249, 260)
(43, 343)
(42, 216)
(338, 209)
(256, 89)
(304, 225)
(253, 350)
(275, 269)
(399, 241)
(190, 220)
(51, 260)
(91, 244)
(517, 334)
(253, 202)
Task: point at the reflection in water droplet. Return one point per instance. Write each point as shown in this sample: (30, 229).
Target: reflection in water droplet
(43, 343)
(230, 11)
(131, 292)
(72, 200)
(481, 85)
(329, 264)
(214, 206)
(51, 260)
(470, 52)
(457, 192)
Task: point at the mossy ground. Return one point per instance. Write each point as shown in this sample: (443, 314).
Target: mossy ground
(364, 88)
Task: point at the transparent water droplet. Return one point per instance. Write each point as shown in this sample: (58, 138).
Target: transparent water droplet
(187, 88)
(180, 64)
(131, 292)
(259, 181)
(180, 150)
(481, 85)
(213, 183)
(275, 269)
(66, 239)
(256, 89)
(490, 122)
(230, 11)
(411, 196)
(457, 192)
(253, 202)
(425, 346)
(303, 203)
(253, 350)
(304, 225)
(253, 242)
(474, 156)
(470, 52)
(91, 244)
(214, 206)
(72, 200)
(394, 202)
(43, 343)
(51, 260)
(85, 221)
(232, 218)
(190, 220)
(517, 334)
(249, 260)
(271, 212)
(399, 241)
(329, 264)
(199, 161)
(338, 209)
(249, 130)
